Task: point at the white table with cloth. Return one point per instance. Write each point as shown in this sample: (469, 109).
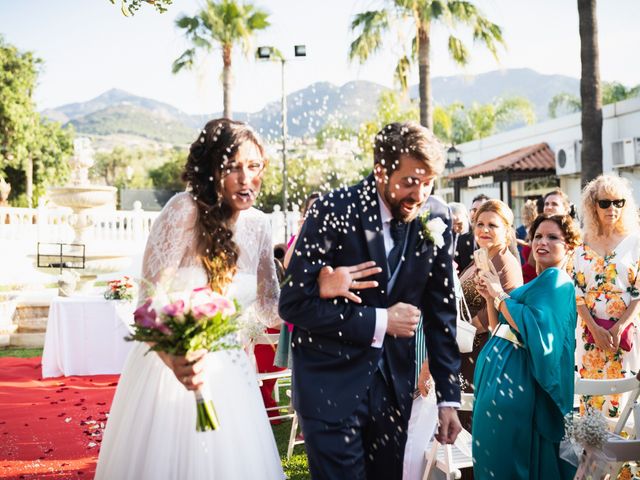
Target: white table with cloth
(85, 336)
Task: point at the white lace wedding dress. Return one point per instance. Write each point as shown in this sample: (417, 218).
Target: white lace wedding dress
(151, 431)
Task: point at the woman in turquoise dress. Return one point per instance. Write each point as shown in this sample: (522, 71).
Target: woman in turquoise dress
(524, 376)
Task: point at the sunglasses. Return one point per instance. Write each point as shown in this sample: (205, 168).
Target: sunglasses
(604, 204)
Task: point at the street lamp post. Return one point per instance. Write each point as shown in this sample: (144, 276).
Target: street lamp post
(453, 159)
(285, 178)
(454, 162)
(270, 53)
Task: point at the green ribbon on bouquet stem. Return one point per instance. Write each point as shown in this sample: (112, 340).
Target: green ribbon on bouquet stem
(207, 418)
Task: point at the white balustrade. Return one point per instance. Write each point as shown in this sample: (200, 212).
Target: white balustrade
(277, 224)
(31, 225)
(124, 231)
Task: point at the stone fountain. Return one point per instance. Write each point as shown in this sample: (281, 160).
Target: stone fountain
(83, 198)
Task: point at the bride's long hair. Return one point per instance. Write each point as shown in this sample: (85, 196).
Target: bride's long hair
(209, 155)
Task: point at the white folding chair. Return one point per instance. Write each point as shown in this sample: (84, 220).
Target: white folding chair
(294, 439)
(588, 386)
(272, 340)
(450, 459)
(283, 379)
(617, 448)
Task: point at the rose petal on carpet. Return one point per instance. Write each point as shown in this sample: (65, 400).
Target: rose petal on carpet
(50, 428)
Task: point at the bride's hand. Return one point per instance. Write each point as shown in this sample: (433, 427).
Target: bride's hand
(340, 281)
(188, 369)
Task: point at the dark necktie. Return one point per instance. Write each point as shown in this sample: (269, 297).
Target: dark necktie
(398, 231)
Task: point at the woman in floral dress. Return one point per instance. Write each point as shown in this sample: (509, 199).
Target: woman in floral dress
(606, 274)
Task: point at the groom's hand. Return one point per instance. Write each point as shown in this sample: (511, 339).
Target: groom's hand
(449, 427)
(402, 320)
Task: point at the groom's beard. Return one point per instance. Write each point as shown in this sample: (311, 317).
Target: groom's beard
(395, 206)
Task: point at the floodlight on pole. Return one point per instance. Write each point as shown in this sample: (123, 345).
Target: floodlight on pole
(270, 53)
(264, 52)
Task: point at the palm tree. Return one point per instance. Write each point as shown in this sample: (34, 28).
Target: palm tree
(612, 92)
(590, 94)
(565, 102)
(421, 15)
(225, 24)
(459, 124)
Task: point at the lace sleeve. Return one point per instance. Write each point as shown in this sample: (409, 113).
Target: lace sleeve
(268, 287)
(170, 238)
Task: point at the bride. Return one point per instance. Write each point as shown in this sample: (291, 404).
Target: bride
(209, 234)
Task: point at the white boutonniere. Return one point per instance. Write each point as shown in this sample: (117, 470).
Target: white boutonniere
(433, 230)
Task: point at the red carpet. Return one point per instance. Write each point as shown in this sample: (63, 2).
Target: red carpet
(50, 428)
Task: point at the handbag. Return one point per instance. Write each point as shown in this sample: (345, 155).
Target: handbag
(626, 340)
(465, 330)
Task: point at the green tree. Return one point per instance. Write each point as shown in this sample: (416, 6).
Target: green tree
(130, 7)
(168, 176)
(109, 166)
(590, 92)
(50, 151)
(137, 168)
(565, 102)
(391, 107)
(458, 124)
(220, 24)
(612, 92)
(333, 130)
(34, 152)
(308, 172)
(454, 123)
(418, 17)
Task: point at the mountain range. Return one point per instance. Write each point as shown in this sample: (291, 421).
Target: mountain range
(120, 116)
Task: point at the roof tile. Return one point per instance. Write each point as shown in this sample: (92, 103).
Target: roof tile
(531, 158)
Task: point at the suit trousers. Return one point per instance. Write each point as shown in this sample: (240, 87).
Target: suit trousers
(368, 444)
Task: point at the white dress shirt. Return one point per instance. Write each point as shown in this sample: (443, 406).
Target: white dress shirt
(381, 313)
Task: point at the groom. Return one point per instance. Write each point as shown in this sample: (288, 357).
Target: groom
(354, 364)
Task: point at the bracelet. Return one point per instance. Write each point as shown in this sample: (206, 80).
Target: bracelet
(502, 296)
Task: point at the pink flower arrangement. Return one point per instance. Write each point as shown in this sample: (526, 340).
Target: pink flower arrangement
(120, 289)
(191, 321)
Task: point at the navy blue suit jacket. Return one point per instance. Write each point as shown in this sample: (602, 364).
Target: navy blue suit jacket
(333, 360)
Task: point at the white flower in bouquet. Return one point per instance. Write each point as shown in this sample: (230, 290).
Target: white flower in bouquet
(250, 327)
(591, 429)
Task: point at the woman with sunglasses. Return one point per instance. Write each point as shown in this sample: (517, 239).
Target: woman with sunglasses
(606, 274)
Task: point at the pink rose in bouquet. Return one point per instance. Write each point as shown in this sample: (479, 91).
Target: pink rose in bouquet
(207, 303)
(175, 309)
(146, 317)
(186, 323)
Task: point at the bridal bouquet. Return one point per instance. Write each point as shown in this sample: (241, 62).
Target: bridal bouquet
(121, 289)
(185, 322)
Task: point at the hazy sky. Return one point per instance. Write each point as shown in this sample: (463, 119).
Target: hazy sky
(88, 47)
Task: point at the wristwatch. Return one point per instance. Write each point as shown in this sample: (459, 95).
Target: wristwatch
(499, 299)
